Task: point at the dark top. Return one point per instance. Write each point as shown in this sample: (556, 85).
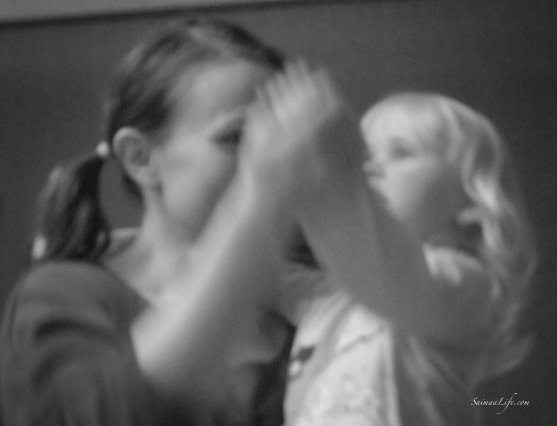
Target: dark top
(66, 356)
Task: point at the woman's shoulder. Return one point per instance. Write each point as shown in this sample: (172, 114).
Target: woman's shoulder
(75, 287)
(65, 339)
(67, 277)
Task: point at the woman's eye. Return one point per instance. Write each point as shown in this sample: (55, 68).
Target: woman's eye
(372, 169)
(399, 152)
(230, 138)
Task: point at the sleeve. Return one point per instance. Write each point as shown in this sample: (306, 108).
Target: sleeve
(66, 357)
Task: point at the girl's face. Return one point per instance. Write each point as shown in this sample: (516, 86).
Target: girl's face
(418, 183)
(198, 157)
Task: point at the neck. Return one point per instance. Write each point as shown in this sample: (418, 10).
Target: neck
(157, 253)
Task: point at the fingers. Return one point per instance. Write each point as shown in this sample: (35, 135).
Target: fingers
(302, 91)
(300, 80)
(286, 92)
(297, 104)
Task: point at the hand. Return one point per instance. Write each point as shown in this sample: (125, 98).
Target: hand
(295, 137)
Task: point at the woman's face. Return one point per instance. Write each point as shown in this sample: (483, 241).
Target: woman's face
(198, 157)
(420, 186)
(197, 162)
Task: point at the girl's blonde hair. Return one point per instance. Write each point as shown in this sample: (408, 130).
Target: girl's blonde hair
(505, 244)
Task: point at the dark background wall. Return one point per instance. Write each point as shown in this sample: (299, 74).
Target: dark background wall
(498, 56)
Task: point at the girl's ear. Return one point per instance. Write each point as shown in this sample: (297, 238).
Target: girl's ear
(135, 152)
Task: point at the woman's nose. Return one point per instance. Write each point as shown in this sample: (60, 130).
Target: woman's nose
(373, 169)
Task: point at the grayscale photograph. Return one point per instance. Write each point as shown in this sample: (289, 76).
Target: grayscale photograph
(278, 213)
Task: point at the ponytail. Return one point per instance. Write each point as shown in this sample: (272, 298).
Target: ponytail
(71, 224)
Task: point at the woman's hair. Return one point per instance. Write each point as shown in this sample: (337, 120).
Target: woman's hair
(71, 224)
(503, 234)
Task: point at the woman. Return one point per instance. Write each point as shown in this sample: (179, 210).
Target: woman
(142, 333)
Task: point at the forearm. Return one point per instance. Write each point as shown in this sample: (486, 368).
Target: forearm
(371, 254)
(182, 348)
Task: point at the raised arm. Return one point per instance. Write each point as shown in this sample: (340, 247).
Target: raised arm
(383, 265)
(359, 243)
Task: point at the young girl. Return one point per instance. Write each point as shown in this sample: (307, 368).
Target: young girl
(142, 334)
(433, 264)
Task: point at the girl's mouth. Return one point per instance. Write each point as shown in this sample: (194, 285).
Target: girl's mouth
(462, 244)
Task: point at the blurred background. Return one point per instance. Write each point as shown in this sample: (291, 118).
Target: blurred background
(499, 56)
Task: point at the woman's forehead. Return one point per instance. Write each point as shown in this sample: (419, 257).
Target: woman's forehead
(219, 89)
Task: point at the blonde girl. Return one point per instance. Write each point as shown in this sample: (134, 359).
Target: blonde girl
(434, 263)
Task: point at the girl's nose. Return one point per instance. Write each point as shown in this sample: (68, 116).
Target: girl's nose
(469, 223)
